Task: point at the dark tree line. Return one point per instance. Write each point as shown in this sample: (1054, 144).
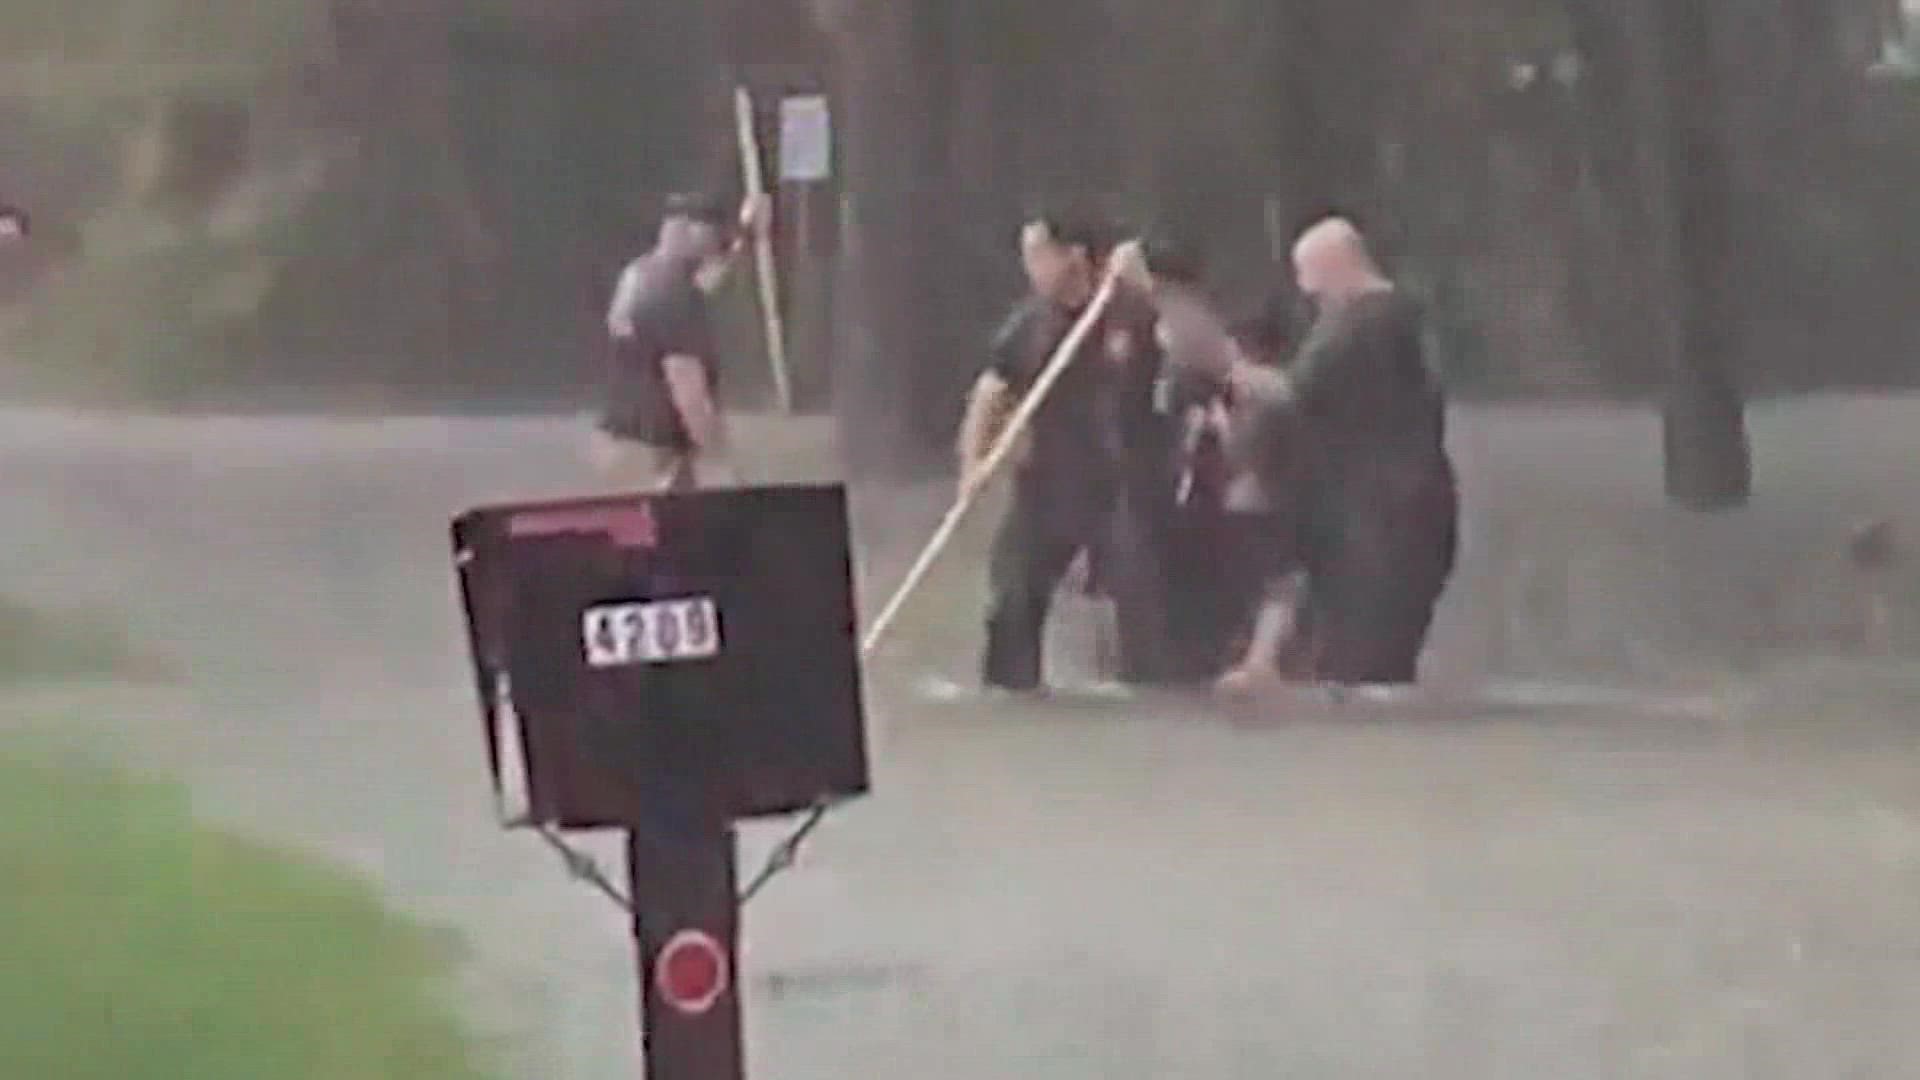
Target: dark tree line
(1597, 198)
(1682, 201)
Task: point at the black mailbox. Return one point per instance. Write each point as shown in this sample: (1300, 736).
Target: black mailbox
(641, 656)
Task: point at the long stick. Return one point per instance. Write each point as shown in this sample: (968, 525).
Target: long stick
(1002, 447)
(763, 250)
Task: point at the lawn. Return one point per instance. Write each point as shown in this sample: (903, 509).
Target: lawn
(37, 645)
(140, 943)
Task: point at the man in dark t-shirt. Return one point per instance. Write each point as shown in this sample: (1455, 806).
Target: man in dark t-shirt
(1089, 468)
(1380, 516)
(661, 425)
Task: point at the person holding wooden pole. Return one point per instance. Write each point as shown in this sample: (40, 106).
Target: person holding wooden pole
(1074, 494)
(661, 427)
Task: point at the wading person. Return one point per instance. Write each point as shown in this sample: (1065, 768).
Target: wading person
(1143, 535)
(1236, 567)
(1260, 536)
(1380, 513)
(662, 427)
(1080, 465)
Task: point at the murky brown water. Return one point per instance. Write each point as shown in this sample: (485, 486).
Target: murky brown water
(1711, 880)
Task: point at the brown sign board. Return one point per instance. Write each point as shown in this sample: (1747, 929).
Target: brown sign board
(642, 659)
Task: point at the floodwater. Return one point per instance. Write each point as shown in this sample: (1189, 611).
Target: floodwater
(1573, 860)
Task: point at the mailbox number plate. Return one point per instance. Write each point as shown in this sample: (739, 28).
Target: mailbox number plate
(651, 632)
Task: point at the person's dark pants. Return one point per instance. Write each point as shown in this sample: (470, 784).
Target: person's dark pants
(1203, 607)
(1035, 545)
(1258, 549)
(1225, 564)
(1375, 580)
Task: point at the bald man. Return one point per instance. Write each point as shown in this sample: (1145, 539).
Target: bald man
(1379, 528)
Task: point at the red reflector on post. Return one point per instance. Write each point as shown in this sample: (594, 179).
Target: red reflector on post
(692, 972)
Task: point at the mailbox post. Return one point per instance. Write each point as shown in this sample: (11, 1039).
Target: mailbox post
(668, 665)
(686, 935)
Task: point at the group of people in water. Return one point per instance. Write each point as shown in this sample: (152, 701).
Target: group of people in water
(1255, 517)
(1259, 511)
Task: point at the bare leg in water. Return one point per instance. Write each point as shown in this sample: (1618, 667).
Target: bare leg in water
(1275, 628)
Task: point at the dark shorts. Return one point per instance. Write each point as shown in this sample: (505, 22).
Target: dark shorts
(1376, 578)
(1258, 548)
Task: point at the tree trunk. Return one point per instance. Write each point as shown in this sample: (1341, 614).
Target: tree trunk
(887, 329)
(1708, 459)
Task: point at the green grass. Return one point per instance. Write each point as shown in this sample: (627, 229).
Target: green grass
(88, 51)
(38, 645)
(137, 943)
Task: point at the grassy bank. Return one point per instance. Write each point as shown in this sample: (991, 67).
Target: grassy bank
(139, 943)
(36, 645)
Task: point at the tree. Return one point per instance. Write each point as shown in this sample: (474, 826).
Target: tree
(1708, 459)
(885, 71)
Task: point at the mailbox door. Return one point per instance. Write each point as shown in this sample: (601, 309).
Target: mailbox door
(710, 671)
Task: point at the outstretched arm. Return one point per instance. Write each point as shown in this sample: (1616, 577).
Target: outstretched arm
(756, 217)
(989, 405)
(994, 397)
(1318, 367)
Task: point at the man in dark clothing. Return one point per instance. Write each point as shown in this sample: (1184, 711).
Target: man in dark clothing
(661, 427)
(1338, 463)
(1255, 539)
(1237, 539)
(1381, 506)
(1204, 592)
(1210, 583)
(1092, 466)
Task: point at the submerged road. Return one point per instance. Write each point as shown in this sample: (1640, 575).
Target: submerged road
(1719, 884)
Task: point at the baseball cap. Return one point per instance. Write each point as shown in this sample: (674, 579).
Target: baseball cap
(703, 208)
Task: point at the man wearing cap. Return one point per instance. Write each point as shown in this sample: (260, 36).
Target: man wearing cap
(661, 427)
(1083, 472)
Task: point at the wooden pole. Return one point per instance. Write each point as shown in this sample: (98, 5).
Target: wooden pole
(683, 890)
(1276, 231)
(763, 250)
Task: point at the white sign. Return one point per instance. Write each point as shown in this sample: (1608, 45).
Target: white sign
(650, 632)
(806, 139)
